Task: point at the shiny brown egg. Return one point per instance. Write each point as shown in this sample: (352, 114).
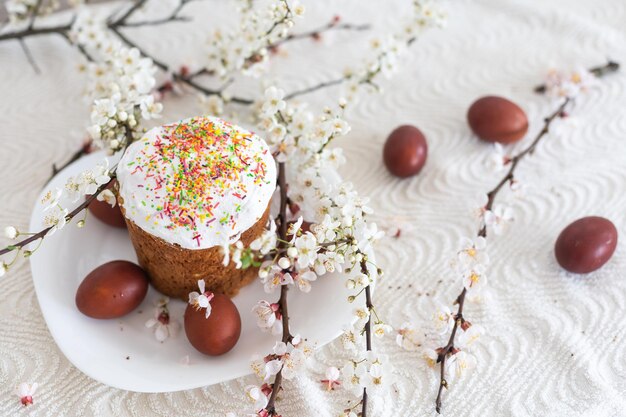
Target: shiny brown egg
(216, 334)
(112, 290)
(586, 244)
(496, 119)
(104, 212)
(405, 151)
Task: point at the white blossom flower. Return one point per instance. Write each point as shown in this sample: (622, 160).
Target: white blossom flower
(164, 327)
(497, 160)
(354, 377)
(275, 277)
(569, 84)
(4, 268)
(55, 219)
(473, 252)
(443, 319)
(11, 232)
(51, 198)
(289, 359)
(307, 250)
(350, 339)
(102, 111)
(273, 102)
(294, 229)
(474, 279)
(149, 108)
(293, 363)
(303, 279)
(25, 392)
(108, 197)
(362, 315)
(460, 363)
(498, 218)
(257, 397)
(333, 376)
(479, 207)
(407, 337)
(375, 378)
(380, 329)
(430, 356)
(468, 336)
(267, 241)
(90, 181)
(268, 317)
(202, 299)
(212, 105)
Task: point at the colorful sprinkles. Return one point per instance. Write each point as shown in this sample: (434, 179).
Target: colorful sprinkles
(207, 162)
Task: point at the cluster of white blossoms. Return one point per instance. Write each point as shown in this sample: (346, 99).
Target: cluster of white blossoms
(21, 10)
(76, 187)
(369, 370)
(569, 84)
(246, 48)
(470, 265)
(387, 52)
(120, 84)
(55, 202)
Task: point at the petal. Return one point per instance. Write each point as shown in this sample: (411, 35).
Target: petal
(161, 333)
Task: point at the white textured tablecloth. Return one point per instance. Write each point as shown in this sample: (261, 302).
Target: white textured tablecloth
(555, 343)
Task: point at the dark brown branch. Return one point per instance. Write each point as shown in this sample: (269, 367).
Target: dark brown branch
(368, 330)
(41, 234)
(30, 32)
(284, 289)
(599, 71)
(448, 349)
(177, 77)
(156, 22)
(314, 88)
(315, 33)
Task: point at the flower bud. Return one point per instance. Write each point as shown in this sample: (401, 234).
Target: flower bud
(284, 263)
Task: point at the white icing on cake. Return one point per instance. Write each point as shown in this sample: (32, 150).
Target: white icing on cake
(197, 183)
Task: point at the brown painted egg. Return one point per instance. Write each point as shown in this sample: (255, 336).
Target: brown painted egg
(586, 244)
(405, 151)
(216, 334)
(112, 290)
(105, 213)
(496, 119)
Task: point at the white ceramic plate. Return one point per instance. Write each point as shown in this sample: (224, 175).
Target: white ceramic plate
(123, 353)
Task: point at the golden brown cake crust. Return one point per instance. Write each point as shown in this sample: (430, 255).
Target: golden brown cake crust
(175, 271)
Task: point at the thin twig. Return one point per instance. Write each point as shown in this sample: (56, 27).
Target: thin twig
(30, 32)
(332, 25)
(599, 71)
(445, 351)
(42, 233)
(316, 87)
(29, 56)
(157, 22)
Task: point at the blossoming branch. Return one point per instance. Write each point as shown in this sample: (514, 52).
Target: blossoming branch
(454, 358)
